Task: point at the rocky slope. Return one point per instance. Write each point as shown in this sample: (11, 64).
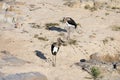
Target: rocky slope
(26, 35)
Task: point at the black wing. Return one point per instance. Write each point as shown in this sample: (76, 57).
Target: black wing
(72, 22)
(52, 47)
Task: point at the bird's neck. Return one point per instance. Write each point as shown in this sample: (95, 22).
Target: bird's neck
(59, 44)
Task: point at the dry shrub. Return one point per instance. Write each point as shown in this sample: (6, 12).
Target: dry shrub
(111, 58)
(108, 58)
(105, 57)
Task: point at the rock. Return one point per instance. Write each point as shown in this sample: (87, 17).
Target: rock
(1, 74)
(109, 65)
(106, 69)
(8, 59)
(25, 76)
(95, 56)
(13, 60)
(82, 60)
(110, 76)
(106, 62)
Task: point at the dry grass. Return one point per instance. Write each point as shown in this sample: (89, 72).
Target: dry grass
(111, 38)
(20, 3)
(93, 9)
(115, 27)
(48, 25)
(106, 14)
(107, 39)
(87, 6)
(69, 4)
(61, 34)
(90, 8)
(78, 24)
(115, 7)
(92, 36)
(61, 21)
(102, 18)
(40, 38)
(101, 4)
(36, 36)
(72, 42)
(35, 25)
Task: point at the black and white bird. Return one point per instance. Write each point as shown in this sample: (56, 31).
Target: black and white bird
(55, 48)
(71, 24)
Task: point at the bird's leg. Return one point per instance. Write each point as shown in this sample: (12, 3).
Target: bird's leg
(55, 60)
(52, 60)
(68, 36)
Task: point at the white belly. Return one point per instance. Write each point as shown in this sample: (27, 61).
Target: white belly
(69, 25)
(55, 49)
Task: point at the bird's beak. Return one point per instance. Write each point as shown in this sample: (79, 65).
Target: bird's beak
(62, 41)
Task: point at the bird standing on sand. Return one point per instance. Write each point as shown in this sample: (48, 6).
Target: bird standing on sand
(71, 24)
(55, 48)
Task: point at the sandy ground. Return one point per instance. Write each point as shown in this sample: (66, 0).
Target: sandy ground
(21, 43)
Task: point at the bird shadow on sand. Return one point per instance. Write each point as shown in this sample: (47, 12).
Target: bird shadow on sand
(53, 28)
(40, 55)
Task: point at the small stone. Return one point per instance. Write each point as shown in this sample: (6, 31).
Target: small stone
(82, 60)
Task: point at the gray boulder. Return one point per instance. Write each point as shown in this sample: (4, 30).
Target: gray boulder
(25, 76)
(7, 59)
